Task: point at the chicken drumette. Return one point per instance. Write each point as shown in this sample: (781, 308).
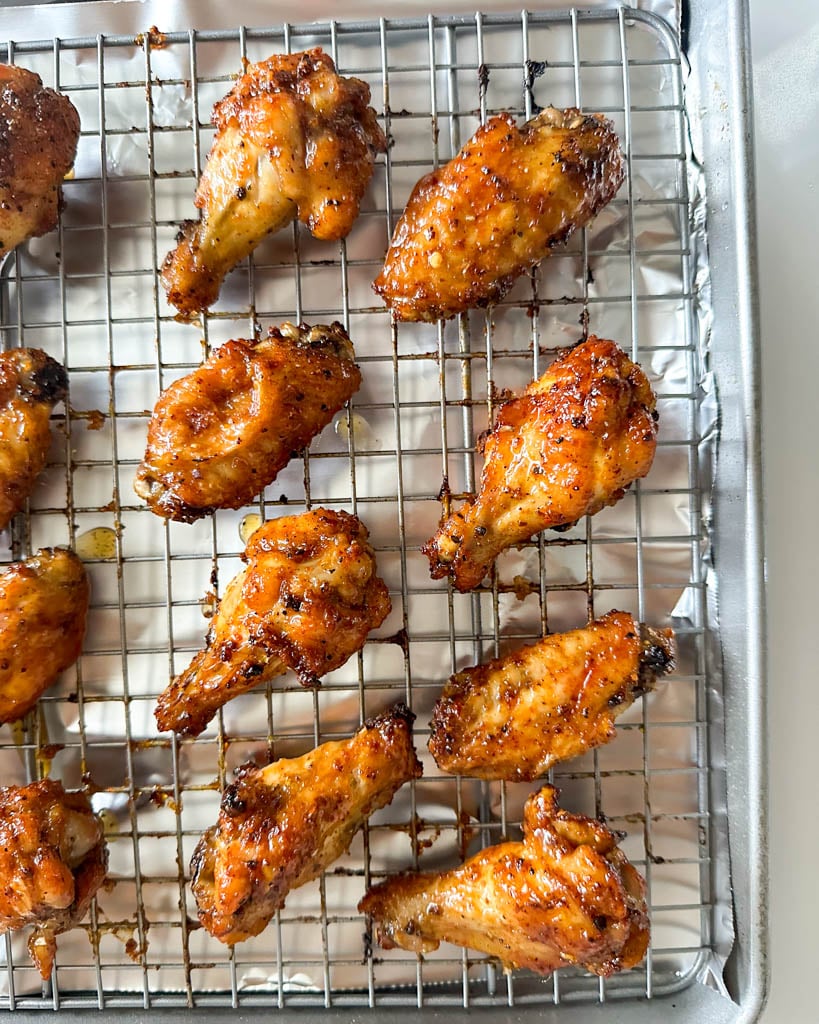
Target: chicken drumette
(306, 601)
(565, 895)
(567, 447)
(221, 434)
(282, 825)
(294, 139)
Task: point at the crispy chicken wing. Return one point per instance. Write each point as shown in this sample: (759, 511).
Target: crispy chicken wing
(39, 130)
(306, 601)
(282, 825)
(220, 435)
(52, 861)
(31, 384)
(43, 608)
(473, 226)
(514, 717)
(565, 895)
(567, 447)
(294, 139)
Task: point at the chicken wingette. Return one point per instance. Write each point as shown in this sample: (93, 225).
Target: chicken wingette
(294, 139)
(220, 435)
(570, 445)
(306, 601)
(476, 224)
(515, 717)
(566, 895)
(282, 825)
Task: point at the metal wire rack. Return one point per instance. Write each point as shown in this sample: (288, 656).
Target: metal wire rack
(89, 295)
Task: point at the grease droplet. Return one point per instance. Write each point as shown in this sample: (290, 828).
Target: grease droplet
(363, 437)
(101, 542)
(249, 525)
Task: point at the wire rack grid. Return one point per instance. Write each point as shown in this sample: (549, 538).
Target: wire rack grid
(89, 295)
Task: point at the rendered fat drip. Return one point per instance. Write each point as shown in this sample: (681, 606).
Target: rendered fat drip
(100, 542)
(248, 525)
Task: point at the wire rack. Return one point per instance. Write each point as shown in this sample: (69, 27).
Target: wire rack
(89, 294)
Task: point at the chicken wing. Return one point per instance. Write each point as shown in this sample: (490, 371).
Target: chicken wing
(565, 895)
(294, 139)
(571, 444)
(282, 825)
(43, 608)
(39, 131)
(31, 384)
(514, 717)
(306, 601)
(53, 860)
(472, 227)
(220, 435)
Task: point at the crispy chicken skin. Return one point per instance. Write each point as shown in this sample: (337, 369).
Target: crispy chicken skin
(473, 226)
(567, 447)
(294, 139)
(220, 435)
(53, 860)
(31, 384)
(282, 825)
(43, 608)
(515, 717)
(306, 601)
(565, 895)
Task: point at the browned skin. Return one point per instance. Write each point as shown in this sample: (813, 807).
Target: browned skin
(43, 608)
(515, 717)
(282, 825)
(565, 895)
(477, 223)
(568, 446)
(293, 140)
(53, 859)
(31, 384)
(220, 435)
(39, 130)
(306, 601)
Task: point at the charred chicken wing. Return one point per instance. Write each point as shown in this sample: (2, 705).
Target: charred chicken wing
(52, 861)
(565, 895)
(221, 434)
(39, 130)
(306, 601)
(31, 384)
(473, 226)
(43, 607)
(282, 825)
(567, 447)
(294, 139)
(514, 717)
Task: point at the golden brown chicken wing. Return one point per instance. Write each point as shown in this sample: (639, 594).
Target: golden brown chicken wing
(294, 139)
(567, 447)
(473, 226)
(306, 601)
(39, 130)
(565, 895)
(31, 384)
(220, 435)
(52, 861)
(514, 717)
(43, 607)
(282, 825)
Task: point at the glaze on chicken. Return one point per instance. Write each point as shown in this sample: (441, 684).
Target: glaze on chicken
(566, 895)
(220, 435)
(473, 226)
(567, 447)
(31, 384)
(53, 860)
(294, 139)
(282, 825)
(39, 131)
(306, 601)
(515, 717)
(43, 609)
